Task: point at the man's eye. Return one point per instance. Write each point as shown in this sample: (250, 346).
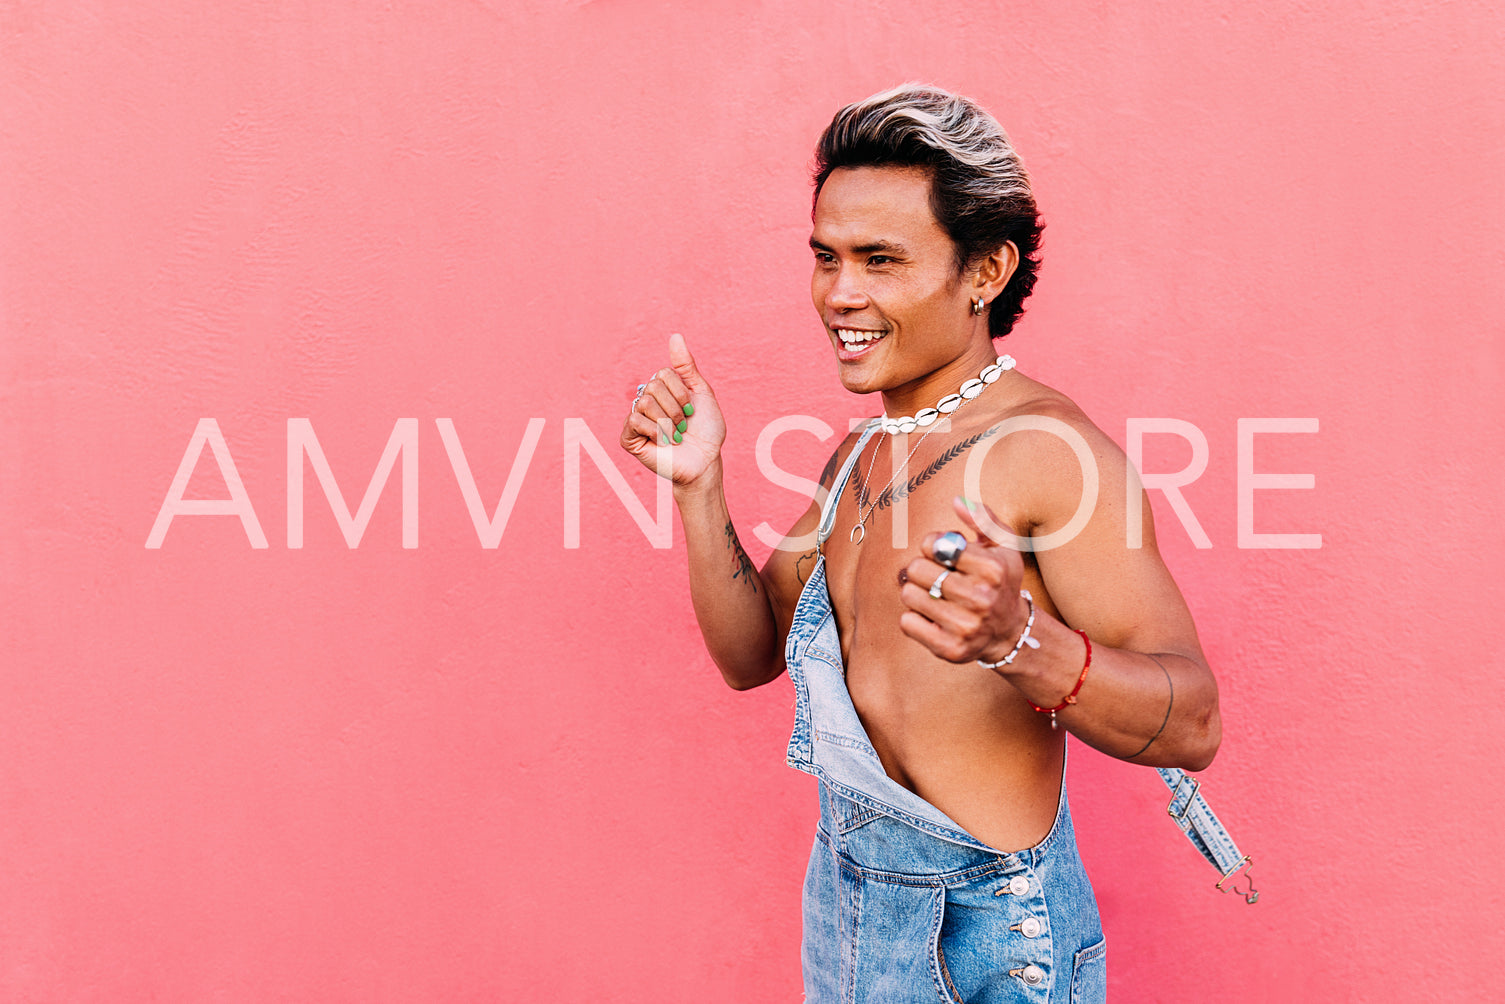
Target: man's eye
(880, 259)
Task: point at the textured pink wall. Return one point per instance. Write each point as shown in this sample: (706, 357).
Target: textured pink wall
(458, 773)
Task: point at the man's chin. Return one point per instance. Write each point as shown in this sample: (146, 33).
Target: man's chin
(858, 381)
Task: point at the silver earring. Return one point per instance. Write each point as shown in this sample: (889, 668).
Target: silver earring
(977, 306)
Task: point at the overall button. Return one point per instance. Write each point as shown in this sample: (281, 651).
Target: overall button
(1018, 885)
(1033, 975)
(1031, 927)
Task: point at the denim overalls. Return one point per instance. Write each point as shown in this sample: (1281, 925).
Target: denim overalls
(901, 904)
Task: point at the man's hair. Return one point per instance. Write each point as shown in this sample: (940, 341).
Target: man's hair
(979, 190)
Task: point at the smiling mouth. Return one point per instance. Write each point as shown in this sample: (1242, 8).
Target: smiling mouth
(858, 338)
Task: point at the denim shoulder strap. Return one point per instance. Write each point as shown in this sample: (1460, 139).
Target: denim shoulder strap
(828, 512)
(1191, 812)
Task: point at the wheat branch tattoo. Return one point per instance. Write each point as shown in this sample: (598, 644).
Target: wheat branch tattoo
(894, 493)
(742, 566)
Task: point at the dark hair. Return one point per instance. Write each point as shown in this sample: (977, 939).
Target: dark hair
(979, 190)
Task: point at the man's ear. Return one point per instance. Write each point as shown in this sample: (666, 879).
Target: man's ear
(995, 271)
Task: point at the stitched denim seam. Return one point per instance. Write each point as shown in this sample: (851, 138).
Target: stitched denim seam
(940, 958)
(1080, 959)
(938, 880)
(837, 739)
(923, 825)
(834, 658)
(939, 974)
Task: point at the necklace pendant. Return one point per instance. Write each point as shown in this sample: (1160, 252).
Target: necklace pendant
(858, 534)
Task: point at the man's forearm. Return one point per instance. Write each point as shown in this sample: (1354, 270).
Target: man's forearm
(731, 600)
(1159, 709)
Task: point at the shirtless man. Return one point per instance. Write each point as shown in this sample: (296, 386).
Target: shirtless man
(945, 837)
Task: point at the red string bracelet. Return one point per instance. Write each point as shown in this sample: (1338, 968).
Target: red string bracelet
(1071, 697)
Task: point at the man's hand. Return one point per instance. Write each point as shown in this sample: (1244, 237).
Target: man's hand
(675, 426)
(980, 614)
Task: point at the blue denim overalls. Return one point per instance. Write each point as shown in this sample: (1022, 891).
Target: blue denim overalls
(901, 904)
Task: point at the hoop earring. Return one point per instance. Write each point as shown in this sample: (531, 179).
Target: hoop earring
(977, 306)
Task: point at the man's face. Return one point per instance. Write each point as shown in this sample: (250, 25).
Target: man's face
(885, 281)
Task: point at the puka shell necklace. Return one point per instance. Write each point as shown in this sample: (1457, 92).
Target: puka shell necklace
(923, 419)
(926, 417)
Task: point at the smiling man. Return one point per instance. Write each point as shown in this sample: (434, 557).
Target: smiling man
(936, 682)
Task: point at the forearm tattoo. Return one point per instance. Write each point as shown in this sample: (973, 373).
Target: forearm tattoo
(742, 566)
(894, 493)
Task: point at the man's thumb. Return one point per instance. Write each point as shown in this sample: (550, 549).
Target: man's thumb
(684, 363)
(989, 527)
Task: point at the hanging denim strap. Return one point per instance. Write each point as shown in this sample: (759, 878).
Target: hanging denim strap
(828, 513)
(1206, 832)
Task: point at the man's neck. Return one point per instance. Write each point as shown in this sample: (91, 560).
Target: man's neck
(926, 391)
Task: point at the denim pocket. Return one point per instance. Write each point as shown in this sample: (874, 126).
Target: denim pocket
(1089, 975)
(944, 987)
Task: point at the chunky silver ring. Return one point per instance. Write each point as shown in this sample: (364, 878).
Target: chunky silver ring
(949, 547)
(935, 587)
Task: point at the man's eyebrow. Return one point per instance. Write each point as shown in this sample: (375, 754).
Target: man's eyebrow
(871, 247)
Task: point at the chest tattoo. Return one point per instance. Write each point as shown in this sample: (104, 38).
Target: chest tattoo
(895, 492)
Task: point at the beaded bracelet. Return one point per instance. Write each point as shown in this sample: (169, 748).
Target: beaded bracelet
(1071, 697)
(1024, 638)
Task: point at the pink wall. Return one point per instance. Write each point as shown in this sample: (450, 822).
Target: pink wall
(457, 773)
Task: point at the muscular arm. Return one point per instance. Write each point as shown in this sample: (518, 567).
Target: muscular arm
(732, 600)
(744, 614)
(1149, 695)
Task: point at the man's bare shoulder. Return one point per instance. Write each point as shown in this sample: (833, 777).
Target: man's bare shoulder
(1050, 445)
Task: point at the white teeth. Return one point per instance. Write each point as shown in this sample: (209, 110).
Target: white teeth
(853, 336)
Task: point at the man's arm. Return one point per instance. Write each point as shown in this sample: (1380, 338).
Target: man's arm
(743, 614)
(1149, 695)
(733, 604)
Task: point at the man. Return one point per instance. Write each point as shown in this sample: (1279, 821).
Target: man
(936, 683)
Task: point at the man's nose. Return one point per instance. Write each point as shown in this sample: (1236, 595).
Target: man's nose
(846, 292)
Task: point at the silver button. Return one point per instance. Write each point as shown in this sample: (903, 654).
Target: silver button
(1018, 885)
(1033, 975)
(1031, 927)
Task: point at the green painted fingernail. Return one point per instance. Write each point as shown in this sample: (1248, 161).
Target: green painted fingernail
(677, 437)
(689, 410)
(971, 506)
(682, 425)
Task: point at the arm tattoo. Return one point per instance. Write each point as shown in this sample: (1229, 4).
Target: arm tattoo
(799, 566)
(742, 566)
(1168, 705)
(893, 494)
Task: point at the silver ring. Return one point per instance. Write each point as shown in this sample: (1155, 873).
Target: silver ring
(949, 547)
(641, 387)
(935, 587)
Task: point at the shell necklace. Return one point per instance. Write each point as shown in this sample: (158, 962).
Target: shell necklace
(925, 419)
